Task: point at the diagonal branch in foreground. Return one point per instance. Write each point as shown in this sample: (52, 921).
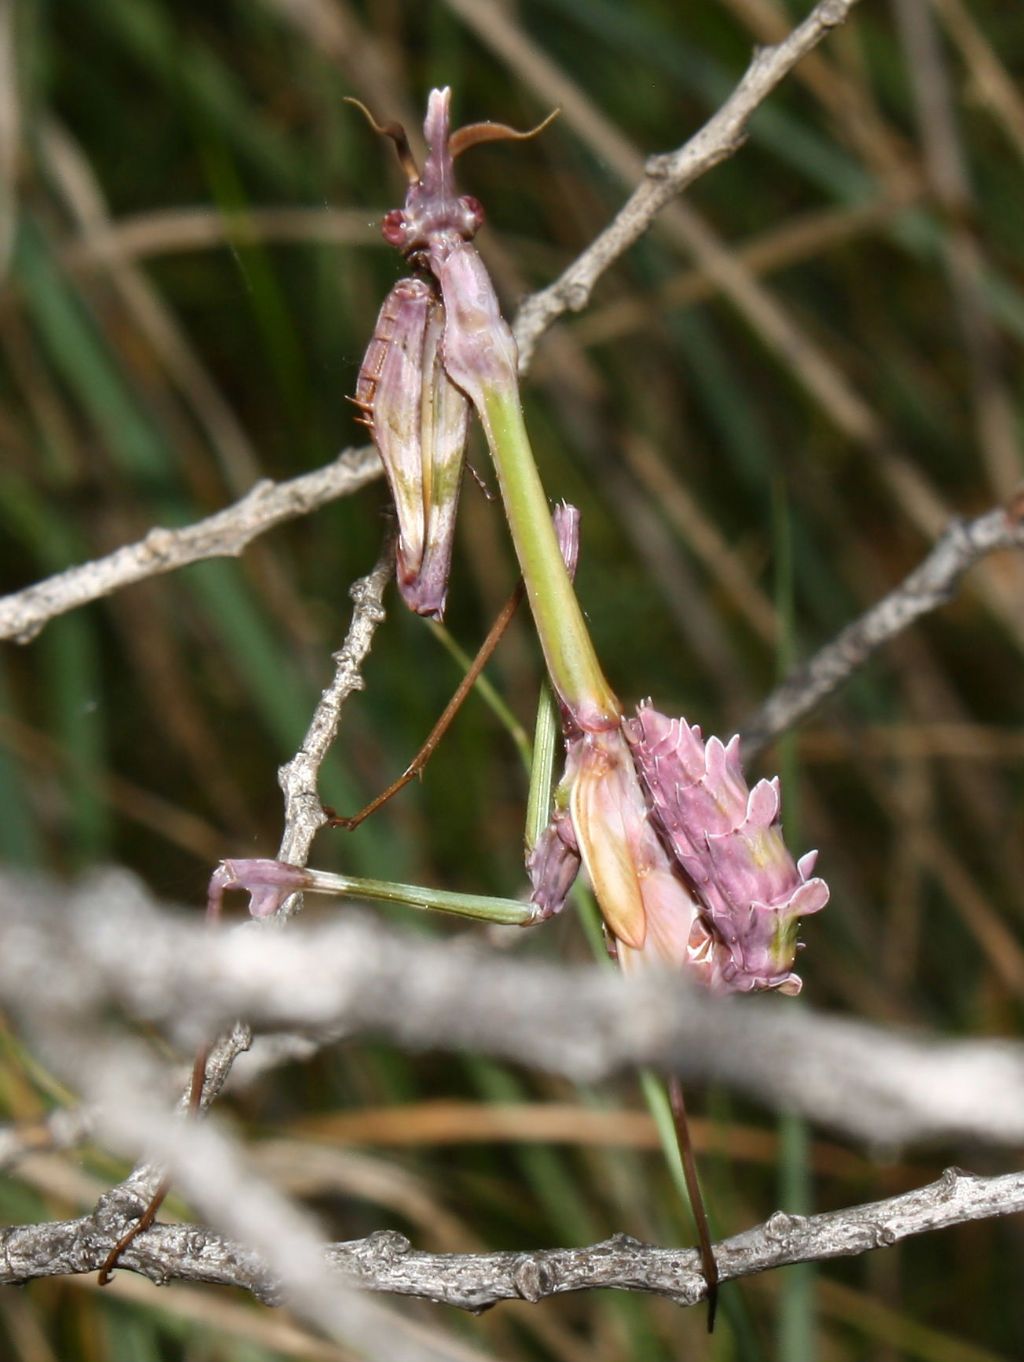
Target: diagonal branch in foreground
(280, 1236)
(386, 1262)
(932, 584)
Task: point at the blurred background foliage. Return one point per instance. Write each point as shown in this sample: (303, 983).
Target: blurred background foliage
(768, 410)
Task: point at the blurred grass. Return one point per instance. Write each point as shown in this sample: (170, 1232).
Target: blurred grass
(667, 413)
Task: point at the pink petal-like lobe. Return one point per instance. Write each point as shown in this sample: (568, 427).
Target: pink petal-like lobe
(727, 840)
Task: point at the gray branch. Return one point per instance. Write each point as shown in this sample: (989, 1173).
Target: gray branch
(386, 1262)
(266, 1230)
(668, 175)
(107, 943)
(224, 535)
(298, 778)
(114, 947)
(932, 584)
(73, 958)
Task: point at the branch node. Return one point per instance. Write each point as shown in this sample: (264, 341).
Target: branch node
(530, 1278)
(953, 1179)
(159, 543)
(576, 296)
(782, 1228)
(364, 592)
(387, 1245)
(660, 166)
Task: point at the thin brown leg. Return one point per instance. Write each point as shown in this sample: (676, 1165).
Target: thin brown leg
(707, 1258)
(147, 1217)
(441, 727)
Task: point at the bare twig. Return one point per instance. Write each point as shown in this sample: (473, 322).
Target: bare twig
(848, 99)
(270, 1232)
(577, 1020)
(303, 812)
(386, 1261)
(304, 816)
(846, 407)
(224, 535)
(668, 175)
(929, 586)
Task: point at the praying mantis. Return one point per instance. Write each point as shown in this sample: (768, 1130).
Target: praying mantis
(687, 864)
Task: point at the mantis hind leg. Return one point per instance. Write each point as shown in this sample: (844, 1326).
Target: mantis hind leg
(700, 1216)
(452, 708)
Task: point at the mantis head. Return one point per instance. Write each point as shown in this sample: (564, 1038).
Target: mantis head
(433, 205)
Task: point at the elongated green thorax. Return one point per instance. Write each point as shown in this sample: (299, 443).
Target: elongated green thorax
(480, 356)
(571, 660)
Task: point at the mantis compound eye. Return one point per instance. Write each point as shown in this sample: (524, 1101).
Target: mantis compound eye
(472, 216)
(394, 228)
